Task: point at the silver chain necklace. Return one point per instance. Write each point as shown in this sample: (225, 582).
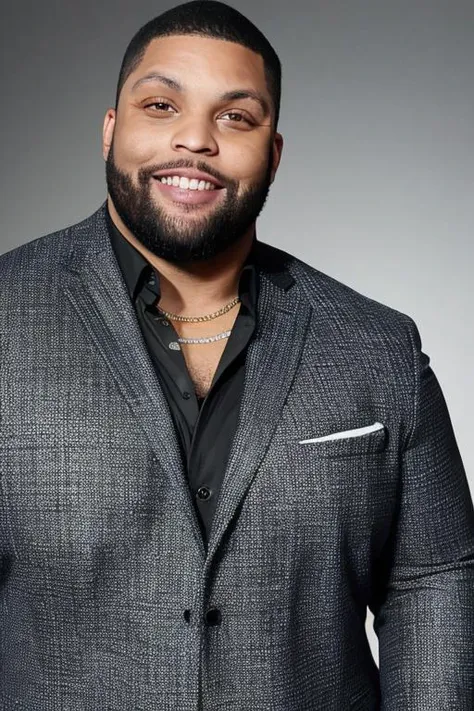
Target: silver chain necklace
(174, 345)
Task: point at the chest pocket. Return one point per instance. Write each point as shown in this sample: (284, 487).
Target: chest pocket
(351, 446)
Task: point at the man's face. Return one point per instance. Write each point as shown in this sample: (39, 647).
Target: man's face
(195, 113)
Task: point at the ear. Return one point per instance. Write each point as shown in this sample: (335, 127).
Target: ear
(108, 131)
(277, 151)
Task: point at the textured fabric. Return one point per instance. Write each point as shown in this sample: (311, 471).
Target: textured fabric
(101, 548)
(206, 428)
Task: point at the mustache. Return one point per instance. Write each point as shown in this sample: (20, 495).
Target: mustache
(144, 174)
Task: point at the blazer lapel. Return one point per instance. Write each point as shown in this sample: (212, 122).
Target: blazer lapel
(95, 287)
(271, 364)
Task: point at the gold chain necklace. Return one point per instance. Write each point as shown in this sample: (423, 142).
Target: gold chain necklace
(200, 319)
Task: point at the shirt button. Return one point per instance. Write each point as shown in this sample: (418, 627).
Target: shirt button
(203, 493)
(213, 617)
(187, 616)
(186, 395)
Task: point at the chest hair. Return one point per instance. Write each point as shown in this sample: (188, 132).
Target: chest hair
(202, 362)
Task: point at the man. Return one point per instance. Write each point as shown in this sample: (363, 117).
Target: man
(214, 457)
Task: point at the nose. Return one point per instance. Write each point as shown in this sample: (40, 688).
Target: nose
(195, 134)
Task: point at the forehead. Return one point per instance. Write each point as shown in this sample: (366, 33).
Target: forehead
(195, 60)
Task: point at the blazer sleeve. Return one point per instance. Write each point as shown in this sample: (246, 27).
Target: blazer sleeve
(424, 617)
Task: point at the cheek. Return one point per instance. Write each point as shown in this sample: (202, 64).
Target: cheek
(249, 162)
(135, 147)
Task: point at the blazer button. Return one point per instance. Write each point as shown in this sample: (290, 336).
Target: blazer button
(213, 617)
(203, 493)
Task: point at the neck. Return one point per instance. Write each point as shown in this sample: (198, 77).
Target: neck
(194, 289)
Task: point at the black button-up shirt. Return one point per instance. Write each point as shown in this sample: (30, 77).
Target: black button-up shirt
(206, 428)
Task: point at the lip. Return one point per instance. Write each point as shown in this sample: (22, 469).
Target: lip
(189, 173)
(186, 197)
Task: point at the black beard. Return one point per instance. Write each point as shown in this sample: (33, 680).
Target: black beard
(173, 239)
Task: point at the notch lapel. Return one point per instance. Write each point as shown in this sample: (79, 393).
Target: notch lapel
(271, 364)
(94, 285)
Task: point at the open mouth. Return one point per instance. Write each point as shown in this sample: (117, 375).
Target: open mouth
(184, 183)
(187, 190)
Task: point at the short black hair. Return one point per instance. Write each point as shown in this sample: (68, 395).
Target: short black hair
(205, 18)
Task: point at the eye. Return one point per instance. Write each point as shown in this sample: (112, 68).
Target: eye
(239, 117)
(162, 107)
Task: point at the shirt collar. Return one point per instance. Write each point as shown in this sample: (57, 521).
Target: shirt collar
(142, 279)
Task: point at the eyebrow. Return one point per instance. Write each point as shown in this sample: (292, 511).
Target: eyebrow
(153, 76)
(227, 96)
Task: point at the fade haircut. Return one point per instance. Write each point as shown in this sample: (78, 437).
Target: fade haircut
(205, 18)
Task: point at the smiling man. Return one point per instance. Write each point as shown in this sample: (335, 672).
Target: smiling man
(215, 458)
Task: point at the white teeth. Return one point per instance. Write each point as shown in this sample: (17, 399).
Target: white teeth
(186, 184)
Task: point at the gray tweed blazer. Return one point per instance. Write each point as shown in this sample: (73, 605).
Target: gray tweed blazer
(105, 583)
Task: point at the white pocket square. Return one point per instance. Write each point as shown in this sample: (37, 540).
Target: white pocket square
(346, 434)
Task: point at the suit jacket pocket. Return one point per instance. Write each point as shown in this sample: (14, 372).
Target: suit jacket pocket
(372, 443)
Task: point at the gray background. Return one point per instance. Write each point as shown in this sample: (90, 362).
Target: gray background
(375, 186)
